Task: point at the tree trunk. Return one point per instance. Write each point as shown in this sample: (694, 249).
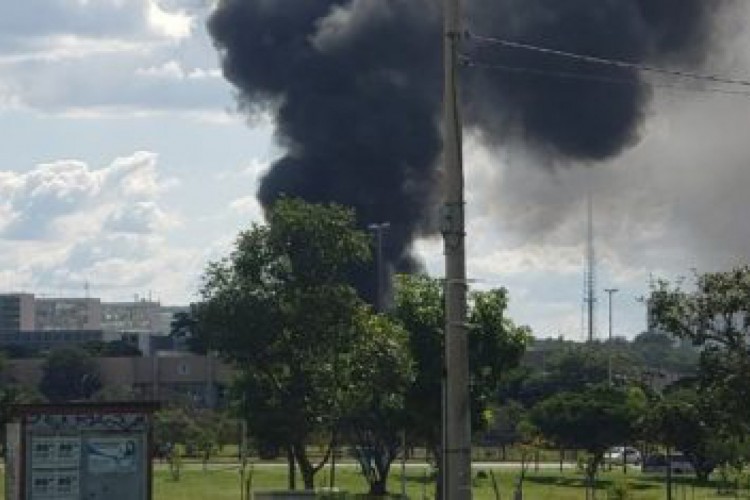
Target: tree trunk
(669, 473)
(378, 487)
(702, 474)
(591, 469)
(305, 467)
(436, 451)
(332, 482)
(292, 478)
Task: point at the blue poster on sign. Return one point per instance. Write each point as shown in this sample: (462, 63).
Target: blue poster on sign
(111, 455)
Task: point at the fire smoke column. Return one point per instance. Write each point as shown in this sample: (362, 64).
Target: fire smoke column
(456, 411)
(353, 87)
(354, 90)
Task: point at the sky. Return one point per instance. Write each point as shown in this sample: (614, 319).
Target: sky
(126, 166)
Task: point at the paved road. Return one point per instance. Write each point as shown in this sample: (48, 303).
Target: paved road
(395, 465)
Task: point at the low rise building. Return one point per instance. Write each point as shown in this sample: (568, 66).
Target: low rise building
(166, 377)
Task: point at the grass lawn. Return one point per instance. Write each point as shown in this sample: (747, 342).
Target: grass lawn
(222, 482)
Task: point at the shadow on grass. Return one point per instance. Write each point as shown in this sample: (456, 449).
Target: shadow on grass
(600, 484)
(420, 480)
(681, 480)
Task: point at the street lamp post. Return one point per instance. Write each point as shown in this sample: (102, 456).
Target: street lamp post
(378, 229)
(610, 292)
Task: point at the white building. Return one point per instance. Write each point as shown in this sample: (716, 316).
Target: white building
(63, 313)
(136, 322)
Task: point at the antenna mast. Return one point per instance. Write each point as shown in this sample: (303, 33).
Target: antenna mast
(590, 272)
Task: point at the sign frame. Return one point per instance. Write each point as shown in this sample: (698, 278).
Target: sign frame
(66, 435)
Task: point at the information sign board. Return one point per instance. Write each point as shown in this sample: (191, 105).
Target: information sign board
(96, 451)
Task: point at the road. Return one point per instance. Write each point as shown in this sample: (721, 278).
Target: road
(411, 465)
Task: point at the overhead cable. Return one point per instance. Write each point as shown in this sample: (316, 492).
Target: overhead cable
(606, 61)
(596, 78)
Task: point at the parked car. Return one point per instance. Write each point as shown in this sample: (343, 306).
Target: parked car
(618, 454)
(658, 464)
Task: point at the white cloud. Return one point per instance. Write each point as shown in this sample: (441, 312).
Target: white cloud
(58, 48)
(527, 259)
(174, 70)
(64, 223)
(135, 176)
(170, 69)
(38, 201)
(99, 19)
(107, 58)
(200, 73)
(172, 24)
(140, 218)
(246, 206)
(116, 265)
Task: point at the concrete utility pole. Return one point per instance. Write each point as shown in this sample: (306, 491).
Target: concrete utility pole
(456, 420)
(610, 291)
(378, 230)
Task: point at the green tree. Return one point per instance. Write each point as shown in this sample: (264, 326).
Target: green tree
(496, 345)
(593, 419)
(68, 374)
(280, 308)
(200, 430)
(716, 317)
(12, 393)
(185, 327)
(171, 425)
(683, 420)
(8, 396)
(380, 373)
(418, 305)
(568, 367)
(658, 350)
(115, 348)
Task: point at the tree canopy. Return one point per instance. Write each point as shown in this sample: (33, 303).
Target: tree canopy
(715, 315)
(281, 308)
(68, 374)
(594, 419)
(496, 345)
(683, 420)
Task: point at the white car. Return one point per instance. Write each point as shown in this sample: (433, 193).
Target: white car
(623, 454)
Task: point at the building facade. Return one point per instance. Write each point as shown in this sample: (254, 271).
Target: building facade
(168, 377)
(45, 323)
(68, 314)
(17, 312)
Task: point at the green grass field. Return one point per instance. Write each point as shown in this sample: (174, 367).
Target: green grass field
(222, 482)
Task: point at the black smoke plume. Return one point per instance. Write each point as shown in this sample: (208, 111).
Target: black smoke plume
(355, 88)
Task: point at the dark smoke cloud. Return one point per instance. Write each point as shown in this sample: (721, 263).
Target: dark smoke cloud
(355, 86)
(574, 118)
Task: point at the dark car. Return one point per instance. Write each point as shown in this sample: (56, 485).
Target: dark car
(659, 462)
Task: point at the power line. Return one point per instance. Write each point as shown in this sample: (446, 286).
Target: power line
(606, 61)
(534, 72)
